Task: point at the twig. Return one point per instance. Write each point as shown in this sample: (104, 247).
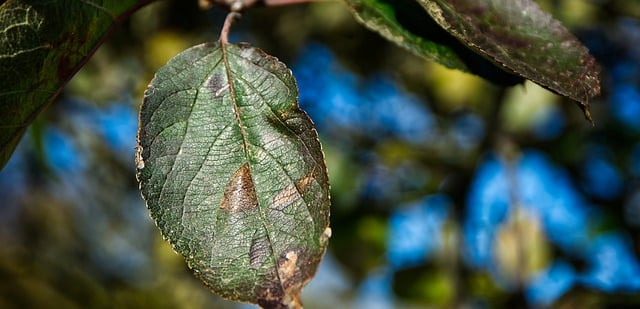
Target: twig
(287, 2)
(239, 5)
(224, 34)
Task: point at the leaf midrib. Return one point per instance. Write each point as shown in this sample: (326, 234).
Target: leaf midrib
(245, 146)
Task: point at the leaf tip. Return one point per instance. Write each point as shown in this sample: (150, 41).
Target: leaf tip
(584, 106)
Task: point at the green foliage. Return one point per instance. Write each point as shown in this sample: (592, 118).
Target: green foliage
(387, 18)
(520, 37)
(517, 36)
(42, 45)
(233, 173)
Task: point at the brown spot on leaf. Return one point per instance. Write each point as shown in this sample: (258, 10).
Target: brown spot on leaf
(292, 278)
(217, 85)
(258, 252)
(285, 198)
(240, 193)
(291, 193)
(288, 265)
(295, 267)
(304, 183)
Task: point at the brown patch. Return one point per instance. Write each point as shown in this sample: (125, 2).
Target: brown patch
(68, 60)
(285, 198)
(240, 193)
(258, 252)
(217, 85)
(293, 270)
(292, 274)
(287, 269)
(304, 183)
(291, 193)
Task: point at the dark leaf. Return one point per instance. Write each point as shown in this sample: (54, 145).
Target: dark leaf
(42, 45)
(395, 21)
(233, 172)
(520, 37)
(407, 24)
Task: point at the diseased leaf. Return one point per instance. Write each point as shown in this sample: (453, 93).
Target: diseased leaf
(42, 45)
(407, 24)
(522, 38)
(233, 173)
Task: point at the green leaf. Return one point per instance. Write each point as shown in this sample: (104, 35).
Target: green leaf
(42, 45)
(407, 24)
(233, 173)
(520, 37)
(513, 35)
(388, 18)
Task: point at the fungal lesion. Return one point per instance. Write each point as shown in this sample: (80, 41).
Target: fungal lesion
(304, 183)
(240, 193)
(293, 274)
(139, 161)
(285, 198)
(217, 85)
(259, 251)
(288, 265)
(291, 193)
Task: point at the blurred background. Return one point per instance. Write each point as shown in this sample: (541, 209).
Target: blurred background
(447, 191)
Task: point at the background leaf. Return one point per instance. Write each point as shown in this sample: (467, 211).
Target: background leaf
(522, 38)
(42, 45)
(390, 20)
(405, 23)
(233, 173)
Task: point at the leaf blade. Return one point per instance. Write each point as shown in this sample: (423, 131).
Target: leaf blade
(42, 45)
(381, 16)
(233, 173)
(407, 24)
(520, 37)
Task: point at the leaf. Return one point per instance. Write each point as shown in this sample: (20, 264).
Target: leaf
(516, 36)
(391, 20)
(522, 38)
(233, 173)
(407, 24)
(42, 45)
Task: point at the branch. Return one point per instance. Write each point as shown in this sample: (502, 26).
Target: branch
(288, 2)
(238, 5)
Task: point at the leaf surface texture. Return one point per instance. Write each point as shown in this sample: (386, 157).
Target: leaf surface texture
(233, 173)
(42, 45)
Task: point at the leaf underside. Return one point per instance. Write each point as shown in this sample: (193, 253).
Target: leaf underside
(42, 45)
(233, 173)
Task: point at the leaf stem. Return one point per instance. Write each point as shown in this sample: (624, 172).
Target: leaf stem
(224, 34)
